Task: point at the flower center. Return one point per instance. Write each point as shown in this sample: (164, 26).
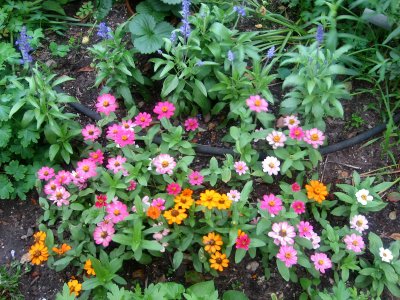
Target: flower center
(90, 132)
(117, 164)
(85, 168)
(276, 138)
(106, 103)
(117, 212)
(291, 121)
(218, 260)
(174, 213)
(355, 243)
(142, 119)
(364, 197)
(46, 173)
(282, 233)
(271, 203)
(104, 234)
(164, 109)
(37, 253)
(359, 223)
(95, 155)
(124, 137)
(165, 164)
(59, 195)
(288, 255)
(271, 165)
(320, 262)
(257, 102)
(315, 137)
(297, 132)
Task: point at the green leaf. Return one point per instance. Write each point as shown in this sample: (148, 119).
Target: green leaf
(6, 187)
(239, 255)
(234, 295)
(170, 83)
(16, 170)
(178, 257)
(283, 270)
(53, 150)
(5, 135)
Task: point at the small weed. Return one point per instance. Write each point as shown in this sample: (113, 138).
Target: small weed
(9, 280)
(356, 121)
(85, 11)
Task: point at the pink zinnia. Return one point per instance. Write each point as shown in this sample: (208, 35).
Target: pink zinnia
(257, 104)
(276, 139)
(132, 185)
(128, 125)
(125, 137)
(96, 156)
(321, 262)
(101, 201)
(354, 243)
(78, 178)
(91, 132)
(299, 207)
(115, 164)
(296, 187)
(314, 137)
(50, 187)
(305, 229)
(106, 104)
(282, 233)
(60, 196)
(288, 255)
(159, 202)
(195, 178)
(112, 131)
(191, 124)
(271, 203)
(173, 188)
(164, 164)
(45, 173)
(291, 121)
(116, 211)
(243, 241)
(164, 110)
(87, 167)
(63, 177)
(241, 167)
(103, 234)
(143, 119)
(296, 133)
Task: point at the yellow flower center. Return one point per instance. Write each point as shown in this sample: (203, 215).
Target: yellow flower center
(355, 243)
(288, 255)
(276, 138)
(271, 165)
(85, 168)
(142, 119)
(124, 137)
(257, 102)
(364, 197)
(271, 203)
(117, 212)
(359, 223)
(320, 262)
(106, 103)
(104, 234)
(164, 109)
(315, 137)
(165, 164)
(282, 233)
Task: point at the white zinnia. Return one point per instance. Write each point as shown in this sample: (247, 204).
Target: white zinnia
(271, 165)
(233, 195)
(385, 254)
(359, 223)
(363, 196)
(276, 139)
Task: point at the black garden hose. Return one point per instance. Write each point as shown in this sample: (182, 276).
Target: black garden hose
(208, 150)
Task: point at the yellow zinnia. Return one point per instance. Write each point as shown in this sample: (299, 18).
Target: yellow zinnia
(209, 199)
(38, 253)
(223, 202)
(218, 261)
(40, 237)
(183, 201)
(74, 287)
(88, 267)
(316, 191)
(175, 215)
(212, 242)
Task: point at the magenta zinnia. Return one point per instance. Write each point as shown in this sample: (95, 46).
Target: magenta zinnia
(164, 110)
(106, 104)
(242, 241)
(257, 104)
(288, 255)
(271, 203)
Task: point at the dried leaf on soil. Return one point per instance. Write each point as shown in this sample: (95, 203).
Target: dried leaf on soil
(395, 236)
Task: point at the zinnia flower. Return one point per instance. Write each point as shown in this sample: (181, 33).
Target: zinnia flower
(175, 215)
(117, 211)
(159, 202)
(209, 199)
(115, 164)
(164, 110)
(45, 173)
(40, 237)
(87, 168)
(91, 132)
(173, 189)
(291, 121)
(143, 119)
(321, 262)
(63, 177)
(295, 187)
(88, 268)
(271, 165)
(234, 195)
(296, 133)
(241, 167)
(271, 203)
(74, 287)
(62, 249)
(305, 229)
(242, 241)
(359, 223)
(354, 243)
(212, 242)
(106, 104)
(314, 137)
(288, 255)
(257, 104)
(60, 196)
(184, 202)
(164, 164)
(195, 178)
(101, 201)
(276, 139)
(38, 253)
(125, 137)
(97, 156)
(191, 124)
(363, 196)
(316, 191)
(103, 234)
(223, 202)
(153, 212)
(282, 233)
(299, 207)
(218, 261)
(385, 254)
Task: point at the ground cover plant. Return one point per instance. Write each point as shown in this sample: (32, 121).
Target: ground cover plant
(128, 187)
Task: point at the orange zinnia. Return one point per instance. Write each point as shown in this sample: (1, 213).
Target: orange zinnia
(218, 261)
(153, 212)
(40, 237)
(88, 267)
(38, 253)
(212, 242)
(63, 248)
(187, 193)
(316, 191)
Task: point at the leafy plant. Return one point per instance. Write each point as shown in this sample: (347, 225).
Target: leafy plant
(59, 50)
(9, 280)
(85, 11)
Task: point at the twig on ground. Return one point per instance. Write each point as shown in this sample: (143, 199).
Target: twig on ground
(343, 164)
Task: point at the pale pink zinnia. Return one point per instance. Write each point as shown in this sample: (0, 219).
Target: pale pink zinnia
(164, 164)
(299, 207)
(45, 173)
(87, 167)
(271, 165)
(116, 211)
(125, 137)
(50, 187)
(291, 121)
(354, 243)
(96, 156)
(103, 234)
(78, 178)
(60, 196)
(288, 255)
(314, 137)
(106, 104)
(359, 223)
(321, 262)
(164, 110)
(128, 125)
(271, 203)
(282, 233)
(257, 104)
(233, 195)
(191, 124)
(115, 164)
(276, 139)
(305, 229)
(195, 178)
(241, 167)
(143, 119)
(159, 202)
(296, 133)
(173, 189)
(91, 132)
